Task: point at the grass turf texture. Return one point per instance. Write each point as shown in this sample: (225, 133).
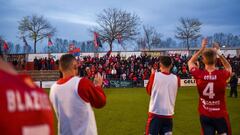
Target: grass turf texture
(126, 112)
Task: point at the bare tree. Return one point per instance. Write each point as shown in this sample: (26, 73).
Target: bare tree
(189, 29)
(36, 28)
(219, 37)
(115, 23)
(151, 38)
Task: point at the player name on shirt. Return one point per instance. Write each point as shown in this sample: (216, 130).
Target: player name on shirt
(210, 77)
(27, 101)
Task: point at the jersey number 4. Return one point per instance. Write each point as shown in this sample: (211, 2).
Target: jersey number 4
(208, 91)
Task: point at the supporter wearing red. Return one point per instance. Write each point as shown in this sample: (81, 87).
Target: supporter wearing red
(162, 87)
(25, 108)
(211, 85)
(51, 63)
(73, 98)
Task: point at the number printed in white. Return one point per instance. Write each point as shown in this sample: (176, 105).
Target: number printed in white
(208, 91)
(36, 130)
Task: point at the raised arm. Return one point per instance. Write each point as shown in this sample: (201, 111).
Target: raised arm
(224, 61)
(193, 60)
(92, 92)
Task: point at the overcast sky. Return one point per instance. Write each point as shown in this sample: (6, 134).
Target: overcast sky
(73, 18)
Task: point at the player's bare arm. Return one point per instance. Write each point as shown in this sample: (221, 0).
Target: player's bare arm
(193, 60)
(224, 61)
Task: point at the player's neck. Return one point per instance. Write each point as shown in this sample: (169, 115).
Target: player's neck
(7, 68)
(165, 70)
(68, 74)
(210, 68)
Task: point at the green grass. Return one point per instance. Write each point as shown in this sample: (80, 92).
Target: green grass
(126, 112)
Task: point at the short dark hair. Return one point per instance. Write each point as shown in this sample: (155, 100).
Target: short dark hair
(166, 61)
(210, 55)
(65, 61)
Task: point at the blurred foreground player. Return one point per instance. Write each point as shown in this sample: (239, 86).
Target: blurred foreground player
(211, 85)
(24, 108)
(162, 87)
(73, 98)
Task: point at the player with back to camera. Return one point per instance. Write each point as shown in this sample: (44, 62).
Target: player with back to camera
(24, 107)
(162, 87)
(211, 85)
(73, 98)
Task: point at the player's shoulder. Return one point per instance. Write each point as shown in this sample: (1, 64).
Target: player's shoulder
(196, 69)
(84, 80)
(220, 71)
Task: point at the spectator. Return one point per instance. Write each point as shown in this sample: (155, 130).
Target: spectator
(51, 64)
(124, 76)
(114, 73)
(233, 84)
(35, 63)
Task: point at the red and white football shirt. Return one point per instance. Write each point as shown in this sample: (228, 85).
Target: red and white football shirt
(211, 88)
(73, 98)
(24, 108)
(163, 90)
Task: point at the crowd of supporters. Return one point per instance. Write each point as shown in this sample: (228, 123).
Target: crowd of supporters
(135, 68)
(43, 63)
(18, 62)
(139, 68)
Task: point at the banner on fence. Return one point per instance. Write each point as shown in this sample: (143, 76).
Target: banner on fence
(126, 83)
(120, 84)
(188, 82)
(184, 82)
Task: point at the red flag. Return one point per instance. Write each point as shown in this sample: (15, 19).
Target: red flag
(97, 42)
(95, 34)
(5, 46)
(49, 41)
(74, 50)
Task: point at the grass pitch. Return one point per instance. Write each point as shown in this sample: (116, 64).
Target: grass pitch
(126, 112)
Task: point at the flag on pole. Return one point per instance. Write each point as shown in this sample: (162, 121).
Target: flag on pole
(97, 42)
(49, 40)
(119, 38)
(5, 46)
(74, 50)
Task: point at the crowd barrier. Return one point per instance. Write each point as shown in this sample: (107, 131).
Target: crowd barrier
(125, 83)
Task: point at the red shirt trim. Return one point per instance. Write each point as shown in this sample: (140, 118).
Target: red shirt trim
(166, 73)
(159, 116)
(64, 80)
(150, 84)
